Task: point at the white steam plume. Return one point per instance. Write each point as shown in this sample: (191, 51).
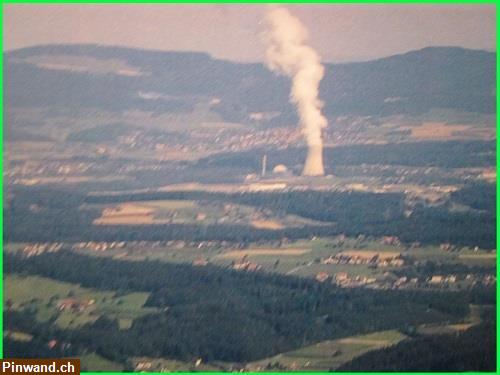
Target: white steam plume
(288, 53)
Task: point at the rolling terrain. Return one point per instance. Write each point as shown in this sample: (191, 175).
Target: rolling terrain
(144, 231)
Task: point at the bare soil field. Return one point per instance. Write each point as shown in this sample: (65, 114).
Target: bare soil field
(437, 130)
(127, 214)
(267, 224)
(236, 254)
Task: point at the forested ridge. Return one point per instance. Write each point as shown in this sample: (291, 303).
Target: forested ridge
(220, 314)
(60, 218)
(337, 265)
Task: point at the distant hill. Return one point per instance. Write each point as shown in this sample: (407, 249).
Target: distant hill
(116, 78)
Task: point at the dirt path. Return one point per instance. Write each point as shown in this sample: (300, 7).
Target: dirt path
(364, 341)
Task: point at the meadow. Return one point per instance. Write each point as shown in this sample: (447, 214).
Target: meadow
(70, 305)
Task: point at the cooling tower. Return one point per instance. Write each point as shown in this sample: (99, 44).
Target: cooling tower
(314, 162)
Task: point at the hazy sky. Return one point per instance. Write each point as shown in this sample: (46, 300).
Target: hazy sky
(338, 32)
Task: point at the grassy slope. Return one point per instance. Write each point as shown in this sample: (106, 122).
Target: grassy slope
(329, 354)
(36, 292)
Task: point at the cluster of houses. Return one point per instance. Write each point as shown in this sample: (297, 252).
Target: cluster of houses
(98, 246)
(74, 305)
(145, 364)
(489, 279)
(241, 265)
(200, 262)
(247, 266)
(342, 279)
(40, 248)
(440, 279)
(51, 344)
(389, 281)
(391, 241)
(354, 257)
(52, 247)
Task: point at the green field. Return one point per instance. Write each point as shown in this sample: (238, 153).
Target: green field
(328, 355)
(178, 211)
(308, 264)
(95, 362)
(465, 256)
(479, 258)
(44, 297)
(471, 320)
(19, 336)
(280, 258)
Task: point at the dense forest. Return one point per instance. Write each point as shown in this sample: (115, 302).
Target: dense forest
(353, 213)
(58, 217)
(478, 195)
(448, 154)
(442, 77)
(318, 205)
(220, 314)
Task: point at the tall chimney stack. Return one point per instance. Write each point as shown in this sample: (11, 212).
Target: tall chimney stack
(264, 165)
(314, 161)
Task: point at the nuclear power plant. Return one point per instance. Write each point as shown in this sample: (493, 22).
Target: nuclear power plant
(288, 53)
(314, 162)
